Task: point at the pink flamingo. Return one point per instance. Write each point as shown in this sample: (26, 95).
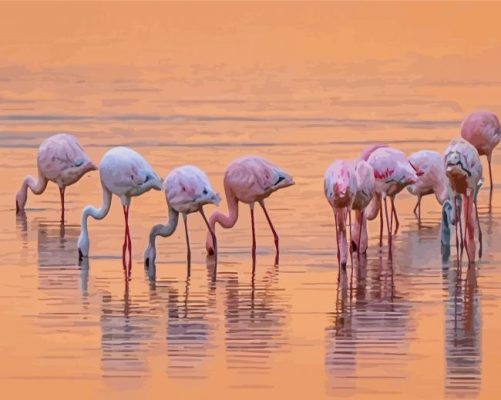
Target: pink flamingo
(249, 180)
(340, 188)
(126, 174)
(464, 171)
(392, 172)
(482, 130)
(187, 189)
(366, 184)
(431, 178)
(61, 160)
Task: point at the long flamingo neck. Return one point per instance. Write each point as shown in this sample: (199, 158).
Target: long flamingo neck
(36, 187)
(442, 190)
(165, 230)
(96, 213)
(372, 209)
(226, 221)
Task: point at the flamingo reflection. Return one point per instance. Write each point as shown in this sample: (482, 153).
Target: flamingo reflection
(463, 326)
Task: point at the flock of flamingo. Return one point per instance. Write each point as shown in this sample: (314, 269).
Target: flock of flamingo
(361, 185)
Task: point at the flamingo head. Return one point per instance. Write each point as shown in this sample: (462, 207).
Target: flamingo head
(150, 257)
(21, 198)
(83, 245)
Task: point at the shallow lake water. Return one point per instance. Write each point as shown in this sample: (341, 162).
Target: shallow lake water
(413, 327)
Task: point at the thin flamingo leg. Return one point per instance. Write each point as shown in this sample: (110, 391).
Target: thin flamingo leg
(416, 207)
(360, 233)
(461, 241)
(129, 241)
(337, 245)
(457, 216)
(125, 245)
(61, 195)
(490, 178)
(467, 226)
(417, 210)
(212, 233)
(253, 237)
(394, 212)
(275, 235)
(479, 230)
(351, 237)
(381, 223)
(188, 249)
(390, 243)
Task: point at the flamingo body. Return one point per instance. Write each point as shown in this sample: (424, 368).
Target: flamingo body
(126, 174)
(340, 188)
(254, 178)
(431, 178)
(392, 170)
(463, 167)
(187, 189)
(366, 186)
(62, 160)
(248, 180)
(340, 184)
(392, 173)
(483, 131)
(464, 172)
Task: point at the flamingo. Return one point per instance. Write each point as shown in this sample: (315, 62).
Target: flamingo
(392, 172)
(365, 192)
(340, 188)
(464, 172)
(482, 130)
(61, 160)
(429, 166)
(249, 180)
(126, 174)
(187, 189)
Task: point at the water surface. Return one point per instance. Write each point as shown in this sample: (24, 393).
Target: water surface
(227, 84)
